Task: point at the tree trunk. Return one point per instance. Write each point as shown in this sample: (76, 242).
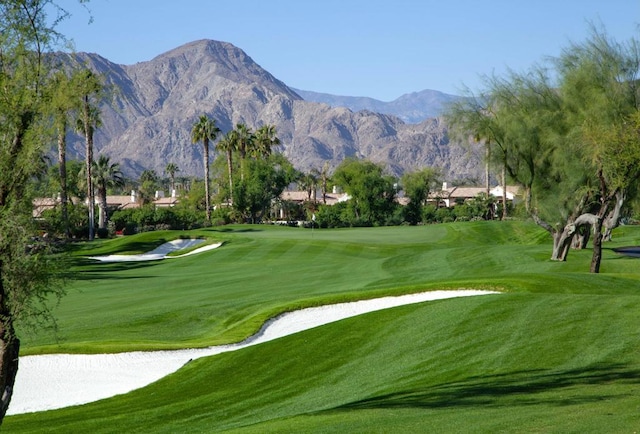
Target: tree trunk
(596, 258)
(88, 132)
(102, 217)
(230, 168)
(613, 219)
(581, 237)
(207, 198)
(9, 352)
(504, 191)
(561, 242)
(62, 171)
(487, 157)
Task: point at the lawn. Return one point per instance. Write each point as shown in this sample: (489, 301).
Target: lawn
(556, 352)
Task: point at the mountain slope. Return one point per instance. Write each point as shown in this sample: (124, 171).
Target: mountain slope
(153, 105)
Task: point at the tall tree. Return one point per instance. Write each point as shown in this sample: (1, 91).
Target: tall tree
(244, 145)
(106, 175)
(416, 186)
(25, 268)
(171, 170)
(228, 145)
(205, 130)
(62, 101)
(265, 140)
(599, 82)
(372, 192)
(89, 86)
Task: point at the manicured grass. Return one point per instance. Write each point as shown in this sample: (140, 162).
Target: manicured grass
(558, 352)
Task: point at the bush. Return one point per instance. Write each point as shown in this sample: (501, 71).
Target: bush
(53, 223)
(102, 233)
(148, 218)
(444, 215)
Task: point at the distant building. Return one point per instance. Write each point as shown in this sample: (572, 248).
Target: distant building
(450, 196)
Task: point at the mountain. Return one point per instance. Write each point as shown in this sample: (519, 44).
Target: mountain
(412, 107)
(147, 121)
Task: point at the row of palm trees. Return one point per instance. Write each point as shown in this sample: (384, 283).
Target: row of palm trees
(241, 139)
(75, 96)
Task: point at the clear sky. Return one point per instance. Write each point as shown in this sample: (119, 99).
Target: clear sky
(381, 49)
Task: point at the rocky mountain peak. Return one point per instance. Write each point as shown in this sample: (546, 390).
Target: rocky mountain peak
(155, 103)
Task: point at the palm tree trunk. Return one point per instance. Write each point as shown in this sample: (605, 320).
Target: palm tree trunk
(62, 170)
(102, 218)
(230, 167)
(88, 131)
(206, 180)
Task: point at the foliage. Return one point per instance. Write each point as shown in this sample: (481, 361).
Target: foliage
(149, 218)
(26, 270)
(372, 193)
(263, 182)
(417, 186)
(54, 225)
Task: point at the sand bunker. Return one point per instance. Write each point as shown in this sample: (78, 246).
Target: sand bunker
(161, 252)
(60, 380)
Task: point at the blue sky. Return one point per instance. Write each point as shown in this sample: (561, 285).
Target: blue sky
(375, 48)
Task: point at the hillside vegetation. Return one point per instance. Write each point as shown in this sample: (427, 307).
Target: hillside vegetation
(555, 352)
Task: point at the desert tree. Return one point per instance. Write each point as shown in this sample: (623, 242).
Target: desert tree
(599, 85)
(205, 131)
(26, 268)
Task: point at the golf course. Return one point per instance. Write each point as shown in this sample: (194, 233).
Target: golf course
(556, 349)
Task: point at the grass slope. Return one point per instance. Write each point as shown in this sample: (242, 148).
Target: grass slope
(557, 353)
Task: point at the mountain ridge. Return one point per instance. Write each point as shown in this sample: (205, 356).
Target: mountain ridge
(411, 107)
(148, 119)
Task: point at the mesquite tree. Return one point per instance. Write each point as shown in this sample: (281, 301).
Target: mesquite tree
(25, 267)
(571, 144)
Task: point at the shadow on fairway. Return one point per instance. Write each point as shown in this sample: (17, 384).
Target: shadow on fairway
(632, 251)
(236, 230)
(521, 388)
(104, 270)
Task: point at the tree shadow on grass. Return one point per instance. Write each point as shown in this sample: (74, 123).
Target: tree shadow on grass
(521, 388)
(92, 270)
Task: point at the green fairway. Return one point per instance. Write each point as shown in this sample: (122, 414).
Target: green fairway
(556, 352)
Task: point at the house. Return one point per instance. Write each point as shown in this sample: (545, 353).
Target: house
(114, 202)
(450, 196)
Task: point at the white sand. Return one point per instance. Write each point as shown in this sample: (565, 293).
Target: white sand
(161, 252)
(61, 380)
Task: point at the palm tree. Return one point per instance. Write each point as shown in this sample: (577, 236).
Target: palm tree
(244, 144)
(148, 183)
(171, 170)
(265, 140)
(205, 130)
(89, 86)
(62, 104)
(105, 175)
(228, 144)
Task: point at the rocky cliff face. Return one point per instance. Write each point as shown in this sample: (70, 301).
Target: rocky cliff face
(148, 118)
